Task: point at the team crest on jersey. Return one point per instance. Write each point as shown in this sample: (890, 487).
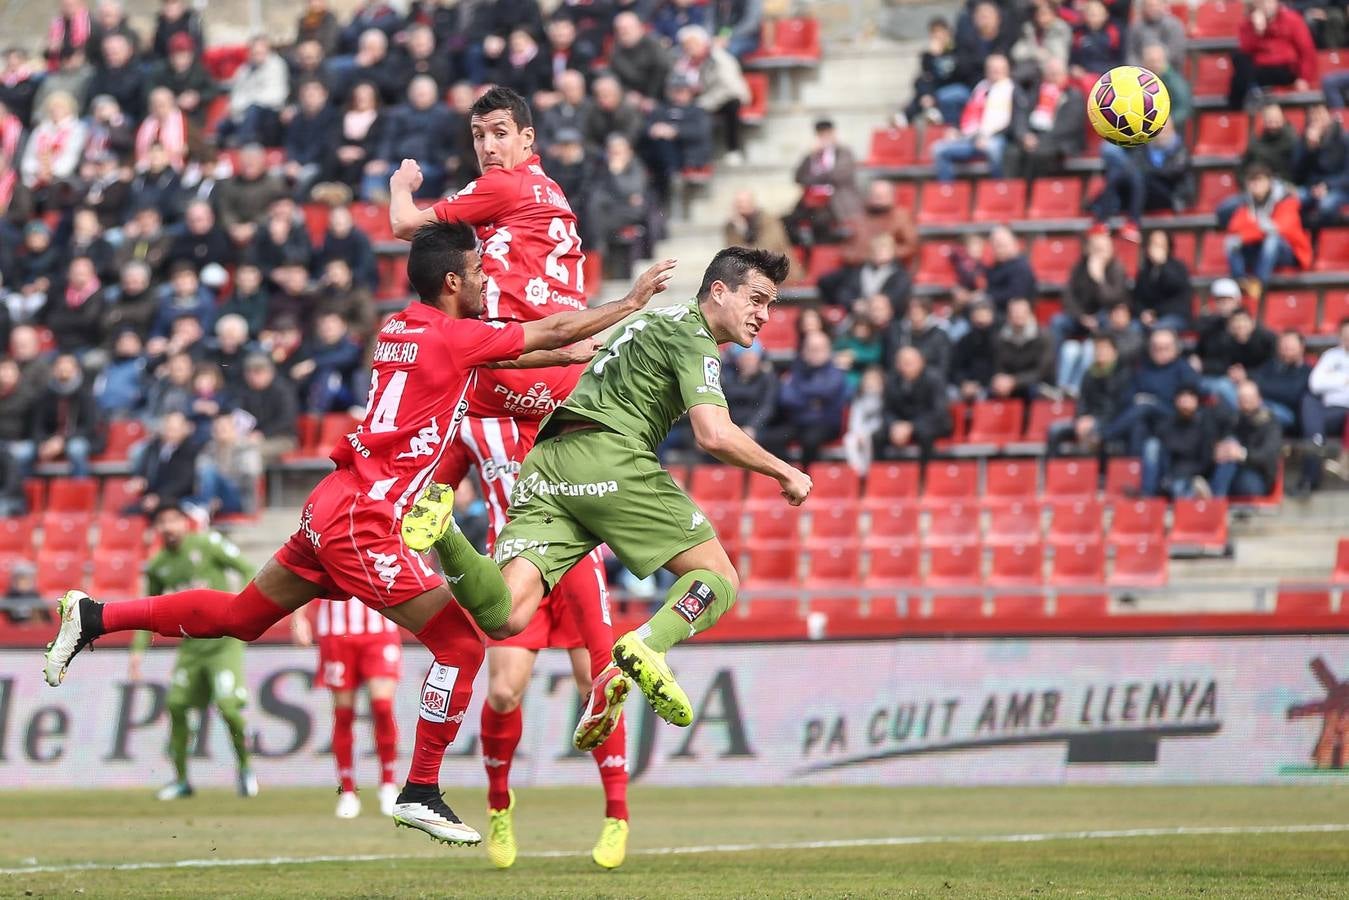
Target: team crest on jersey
(387, 567)
(423, 442)
(498, 246)
(536, 291)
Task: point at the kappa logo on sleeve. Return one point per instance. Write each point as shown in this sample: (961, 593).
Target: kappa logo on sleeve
(695, 602)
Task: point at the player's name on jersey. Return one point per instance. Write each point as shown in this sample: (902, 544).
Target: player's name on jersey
(396, 351)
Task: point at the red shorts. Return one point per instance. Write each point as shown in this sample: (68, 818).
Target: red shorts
(348, 661)
(576, 612)
(349, 545)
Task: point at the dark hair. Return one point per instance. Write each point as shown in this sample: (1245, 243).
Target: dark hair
(1241, 311)
(1102, 338)
(938, 22)
(732, 266)
(1343, 322)
(438, 248)
(507, 99)
(1295, 333)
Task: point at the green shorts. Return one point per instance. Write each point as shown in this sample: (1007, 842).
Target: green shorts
(205, 675)
(584, 488)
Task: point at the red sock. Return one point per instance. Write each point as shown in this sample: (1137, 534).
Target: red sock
(612, 759)
(386, 738)
(458, 649)
(342, 740)
(500, 736)
(197, 613)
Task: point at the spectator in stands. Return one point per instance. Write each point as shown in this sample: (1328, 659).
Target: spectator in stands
(19, 82)
(171, 390)
(230, 348)
(185, 336)
(108, 191)
(749, 226)
(1241, 350)
(1097, 282)
(1162, 292)
(55, 145)
(610, 114)
(858, 346)
(69, 30)
(565, 51)
(880, 275)
(989, 33)
(65, 420)
(751, 389)
(282, 240)
(671, 16)
(339, 294)
(1149, 399)
(1283, 380)
(360, 140)
(184, 295)
(1100, 400)
(311, 134)
(18, 397)
(1045, 40)
(939, 92)
(736, 24)
(922, 331)
(343, 241)
(915, 413)
(720, 84)
(110, 18)
(1126, 331)
(36, 267)
(1276, 49)
(25, 348)
(251, 299)
(568, 110)
(497, 21)
(575, 170)
(678, 137)
(166, 472)
(327, 362)
(418, 57)
(1156, 60)
(1321, 167)
(210, 398)
(983, 123)
(522, 66)
(829, 196)
(242, 200)
(369, 14)
(86, 239)
(1246, 458)
(1010, 274)
(317, 23)
(881, 214)
(174, 19)
(74, 77)
(199, 240)
(1266, 232)
(159, 185)
(307, 63)
(1325, 407)
(229, 467)
(1273, 144)
(972, 366)
(638, 60)
(621, 206)
(1098, 43)
(292, 300)
(133, 304)
(1224, 299)
(1048, 130)
(811, 402)
(186, 80)
(1023, 356)
(866, 416)
(121, 75)
(74, 309)
(1155, 25)
(258, 91)
(121, 386)
(272, 404)
(1144, 179)
(1177, 459)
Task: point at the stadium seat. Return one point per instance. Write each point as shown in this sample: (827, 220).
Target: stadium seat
(306, 438)
(1212, 75)
(1081, 605)
(333, 429)
(393, 278)
(1010, 481)
(954, 565)
(774, 565)
(16, 535)
(1122, 475)
(953, 522)
(372, 219)
(1332, 251)
(59, 571)
(756, 110)
(893, 147)
(930, 138)
(35, 492)
(117, 495)
(895, 521)
(999, 199)
(1053, 258)
(891, 481)
(1184, 245)
(1017, 565)
(776, 524)
(1055, 198)
(66, 530)
(959, 411)
(1013, 522)
(793, 40)
(1139, 563)
(945, 203)
(122, 435)
(1294, 310)
(957, 606)
(1071, 478)
(122, 533)
(1044, 413)
(1019, 606)
(1212, 256)
(934, 265)
(995, 422)
(1078, 519)
(891, 564)
(836, 519)
(779, 332)
(116, 575)
(1200, 523)
(1141, 519)
(763, 491)
(72, 495)
(1217, 19)
(1296, 602)
(316, 221)
(1215, 186)
(947, 481)
(1077, 563)
(832, 564)
(726, 519)
(223, 60)
(1332, 61)
(833, 480)
(823, 259)
(1336, 310)
(1221, 134)
(1341, 573)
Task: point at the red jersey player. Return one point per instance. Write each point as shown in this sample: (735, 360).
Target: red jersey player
(533, 265)
(357, 646)
(348, 541)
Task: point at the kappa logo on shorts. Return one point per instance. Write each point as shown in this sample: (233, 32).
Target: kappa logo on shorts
(698, 519)
(695, 602)
(423, 442)
(387, 567)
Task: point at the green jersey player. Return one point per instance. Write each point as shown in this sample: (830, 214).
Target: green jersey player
(207, 671)
(593, 478)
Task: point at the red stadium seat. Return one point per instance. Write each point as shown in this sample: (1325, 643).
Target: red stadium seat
(1184, 245)
(1332, 251)
(122, 435)
(764, 491)
(1294, 602)
(1142, 519)
(393, 278)
(754, 112)
(1217, 19)
(957, 606)
(1215, 186)
(893, 521)
(945, 203)
(959, 411)
(1071, 478)
(72, 495)
(1139, 564)
(996, 422)
(1212, 75)
(774, 525)
(999, 199)
(1017, 565)
(833, 564)
(779, 332)
(1294, 310)
(1053, 258)
(726, 519)
(1019, 606)
(306, 438)
(1013, 523)
(1335, 311)
(372, 220)
(836, 519)
(116, 574)
(951, 480)
(1127, 253)
(1081, 605)
(955, 564)
(824, 259)
(774, 565)
(333, 429)
(1122, 475)
(891, 564)
(891, 481)
(1332, 61)
(1341, 573)
(934, 264)
(216, 111)
(122, 533)
(223, 60)
(16, 535)
(68, 531)
(1221, 134)
(1010, 481)
(1055, 198)
(931, 137)
(117, 495)
(797, 39)
(1076, 520)
(1212, 256)
(1077, 563)
(1044, 413)
(833, 480)
(35, 491)
(893, 147)
(953, 523)
(316, 221)
(59, 571)
(1201, 523)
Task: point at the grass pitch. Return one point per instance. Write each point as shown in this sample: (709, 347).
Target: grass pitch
(974, 842)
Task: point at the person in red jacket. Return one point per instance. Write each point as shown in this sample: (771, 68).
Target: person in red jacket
(1275, 48)
(1265, 232)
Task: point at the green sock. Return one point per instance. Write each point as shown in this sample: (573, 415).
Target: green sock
(693, 605)
(475, 580)
(234, 720)
(178, 735)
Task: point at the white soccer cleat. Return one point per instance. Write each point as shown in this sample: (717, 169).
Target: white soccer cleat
(71, 637)
(348, 805)
(388, 796)
(247, 783)
(174, 790)
(424, 809)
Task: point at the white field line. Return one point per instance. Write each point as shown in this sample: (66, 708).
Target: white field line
(904, 841)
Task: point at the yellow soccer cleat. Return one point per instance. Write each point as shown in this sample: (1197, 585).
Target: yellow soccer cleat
(429, 518)
(612, 847)
(653, 677)
(501, 849)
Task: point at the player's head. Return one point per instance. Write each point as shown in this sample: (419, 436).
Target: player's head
(738, 286)
(503, 129)
(172, 524)
(445, 268)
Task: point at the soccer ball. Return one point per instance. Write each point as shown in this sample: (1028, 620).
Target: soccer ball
(1128, 106)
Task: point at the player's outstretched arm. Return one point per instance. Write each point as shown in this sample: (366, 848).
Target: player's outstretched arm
(569, 327)
(404, 215)
(718, 435)
(576, 354)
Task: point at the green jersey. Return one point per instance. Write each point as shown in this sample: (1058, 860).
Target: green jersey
(653, 370)
(200, 561)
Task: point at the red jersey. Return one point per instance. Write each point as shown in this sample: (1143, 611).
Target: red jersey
(533, 267)
(339, 618)
(424, 366)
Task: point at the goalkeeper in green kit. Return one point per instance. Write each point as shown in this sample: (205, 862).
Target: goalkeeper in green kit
(207, 671)
(593, 478)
